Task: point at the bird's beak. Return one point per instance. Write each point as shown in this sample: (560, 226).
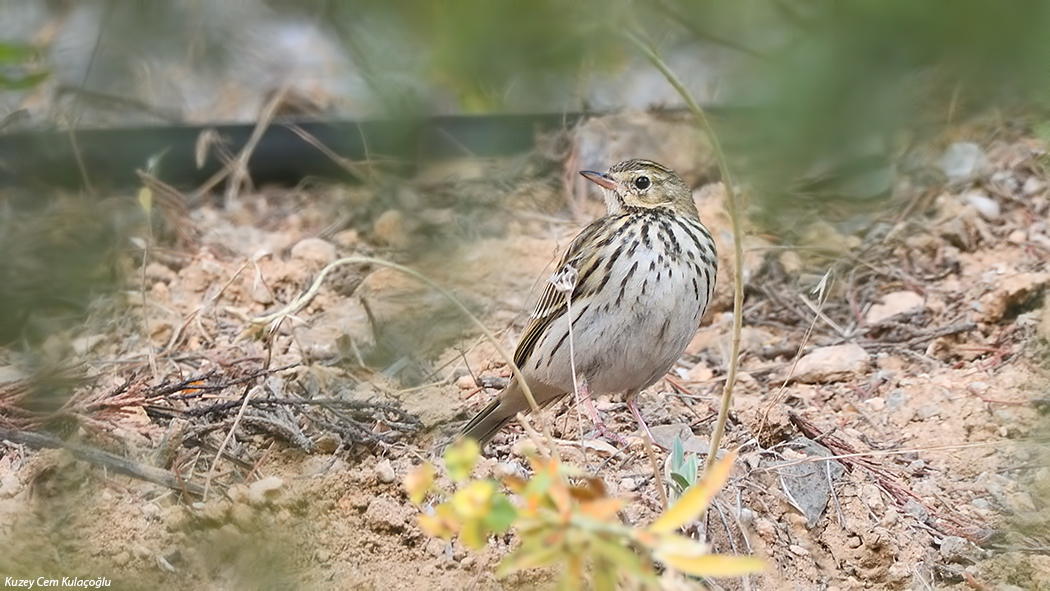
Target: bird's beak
(601, 179)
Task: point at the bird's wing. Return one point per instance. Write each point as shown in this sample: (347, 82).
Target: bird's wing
(552, 304)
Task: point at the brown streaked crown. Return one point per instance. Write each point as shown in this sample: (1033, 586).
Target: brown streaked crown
(645, 184)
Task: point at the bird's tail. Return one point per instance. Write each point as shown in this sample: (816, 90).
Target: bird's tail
(503, 409)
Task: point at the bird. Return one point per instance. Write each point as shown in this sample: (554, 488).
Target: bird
(634, 283)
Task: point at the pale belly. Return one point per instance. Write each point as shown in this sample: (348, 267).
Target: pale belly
(625, 346)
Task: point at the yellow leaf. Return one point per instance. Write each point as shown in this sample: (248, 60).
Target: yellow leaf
(714, 565)
(418, 482)
(434, 526)
(695, 500)
(601, 509)
(529, 556)
(460, 458)
(474, 500)
(473, 535)
(692, 557)
(146, 199)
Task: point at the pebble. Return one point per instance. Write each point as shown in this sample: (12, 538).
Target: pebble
(798, 550)
(965, 161)
(1033, 185)
(389, 229)
(985, 205)
(385, 472)
(261, 491)
(898, 302)
(830, 364)
(314, 250)
(896, 398)
(956, 549)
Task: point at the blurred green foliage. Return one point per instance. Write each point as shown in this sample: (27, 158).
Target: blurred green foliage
(19, 66)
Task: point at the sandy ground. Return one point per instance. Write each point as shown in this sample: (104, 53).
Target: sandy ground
(925, 366)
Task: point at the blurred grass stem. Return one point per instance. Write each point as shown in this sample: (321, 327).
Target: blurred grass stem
(738, 249)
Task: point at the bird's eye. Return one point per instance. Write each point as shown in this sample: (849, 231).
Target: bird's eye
(642, 183)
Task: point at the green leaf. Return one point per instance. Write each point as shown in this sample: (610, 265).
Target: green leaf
(620, 557)
(532, 554)
(680, 482)
(16, 52)
(501, 515)
(690, 470)
(23, 82)
(677, 454)
(696, 499)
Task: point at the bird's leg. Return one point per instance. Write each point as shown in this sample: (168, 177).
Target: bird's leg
(649, 442)
(632, 404)
(596, 419)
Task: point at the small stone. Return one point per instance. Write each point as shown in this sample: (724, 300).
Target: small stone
(956, 550)
(896, 399)
(122, 558)
(261, 491)
(890, 518)
(389, 229)
(347, 238)
(9, 486)
(385, 472)
(830, 364)
(436, 547)
(964, 162)
(328, 443)
(915, 509)
(466, 382)
(927, 411)
(982, 504)
(261, 294)
(664, 435)
(985, 205)
(1017, 237)
(798, 550)
(766, 529)
(1033, 185)
(898, 302)
(159, 272)
(917, 467)
(314, 250)
(10, 373)
(876, 404)
(386, 515)
(699, 373)
(323, 556)
(523, 448)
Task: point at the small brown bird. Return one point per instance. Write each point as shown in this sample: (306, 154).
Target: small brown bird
(640, 279)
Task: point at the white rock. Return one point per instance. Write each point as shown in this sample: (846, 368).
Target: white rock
(830, 364)
(314, 250)
(985, 205)
(965, 161)
(262, 490)
(898, 302)
(385, 472)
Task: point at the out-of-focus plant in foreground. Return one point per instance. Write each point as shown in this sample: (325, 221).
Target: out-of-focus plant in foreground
(564, 517)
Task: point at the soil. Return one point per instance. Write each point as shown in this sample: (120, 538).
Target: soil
(922, 365)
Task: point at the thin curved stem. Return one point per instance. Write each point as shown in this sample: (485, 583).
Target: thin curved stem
(738, 248)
